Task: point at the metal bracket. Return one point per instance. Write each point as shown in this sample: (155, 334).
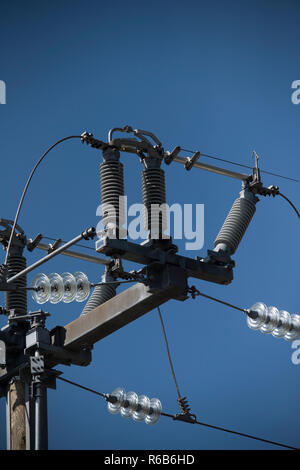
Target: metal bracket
(187, 417)
(169, 156)
(142, 254)
(37, 365)
(54, 355)
(32, 244)
(19, 239)
(191, 161)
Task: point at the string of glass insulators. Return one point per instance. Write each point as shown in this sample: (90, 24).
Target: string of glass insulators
(279, 323)
(65, 287)
(130, 405)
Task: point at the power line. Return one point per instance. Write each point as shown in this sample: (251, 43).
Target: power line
(284, 197)
(82, 386)
(241, 165)
(26, 187)
(77, 244)
(249, 436)
(168, 352)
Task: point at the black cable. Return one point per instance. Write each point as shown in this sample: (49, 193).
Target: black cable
(249, 436)
(284, 197)
(81, 386)
(168, 351)
(241, 165)
(26, 187)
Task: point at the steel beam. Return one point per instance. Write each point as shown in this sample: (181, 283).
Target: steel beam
(116, 313)
(198, 268)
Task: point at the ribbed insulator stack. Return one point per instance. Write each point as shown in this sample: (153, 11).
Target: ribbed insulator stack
(154, 196)
(112, 188)
(16, 300)
(236, 223)
(100, 294)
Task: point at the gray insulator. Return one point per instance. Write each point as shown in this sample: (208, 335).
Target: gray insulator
(236, 223)
(154, 192)
(100, 295)
(112, 187)
(16, 300)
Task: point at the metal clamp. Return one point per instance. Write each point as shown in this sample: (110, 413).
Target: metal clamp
(169, 156)
(190, 161)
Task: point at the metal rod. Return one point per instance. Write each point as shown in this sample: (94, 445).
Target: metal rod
(75, 254)
(48, 257)
(38, 416)
(214, 169)
(244, 310)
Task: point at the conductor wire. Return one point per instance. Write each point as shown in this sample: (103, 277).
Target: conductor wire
(168, 351)
(168, 415)
(241, 165)
(26, 187)
(291, 204)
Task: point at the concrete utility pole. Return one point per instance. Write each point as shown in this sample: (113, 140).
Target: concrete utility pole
(29, 351)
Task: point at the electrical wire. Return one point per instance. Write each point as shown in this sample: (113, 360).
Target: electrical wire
(195, 292)
(26, 187)
(168, 351)
(77, 244)
(249, 436)
(284, 197)
(83, 387)
(242, 165)
(237, 433)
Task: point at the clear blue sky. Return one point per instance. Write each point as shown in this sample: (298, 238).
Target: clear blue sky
(214, 76)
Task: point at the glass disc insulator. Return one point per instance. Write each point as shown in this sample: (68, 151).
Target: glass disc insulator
(70, 287)
(284, 324)
(83, 286)
(272, 320)
(256, 323)
(43, 290)
(155, 411)
(57, 288)
(294, 331)
(130, 404)
(119, 395)
(142, 409)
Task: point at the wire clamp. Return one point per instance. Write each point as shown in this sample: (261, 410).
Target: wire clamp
(193, 291)
(185, 414)
(89, 233)
(191, 161)
(169, 156)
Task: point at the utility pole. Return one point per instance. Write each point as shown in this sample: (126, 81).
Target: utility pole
(16, 388)
(16, 415)
(29, 351)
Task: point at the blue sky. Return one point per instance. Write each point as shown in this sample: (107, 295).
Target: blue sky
(211, 76)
